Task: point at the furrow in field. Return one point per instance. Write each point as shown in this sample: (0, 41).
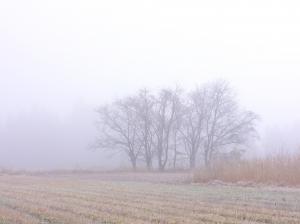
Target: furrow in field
(226, 215)
(144, 203)
(226, 204)
(11, 215)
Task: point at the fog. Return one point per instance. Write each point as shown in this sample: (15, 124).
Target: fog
(60, 60)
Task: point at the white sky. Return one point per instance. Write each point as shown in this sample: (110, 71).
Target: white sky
(58, 54)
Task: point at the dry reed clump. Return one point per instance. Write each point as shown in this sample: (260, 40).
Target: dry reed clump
(282, 170)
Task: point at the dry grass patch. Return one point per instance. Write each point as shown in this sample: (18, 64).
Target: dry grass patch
(276, 170)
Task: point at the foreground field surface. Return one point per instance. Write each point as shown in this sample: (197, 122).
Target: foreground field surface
(124, 198)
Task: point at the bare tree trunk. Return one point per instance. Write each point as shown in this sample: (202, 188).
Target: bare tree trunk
(207, 159)
(193, 161)
(133, 163)
(149, 163)
(161, 163)
(161, 166)
(175, 158)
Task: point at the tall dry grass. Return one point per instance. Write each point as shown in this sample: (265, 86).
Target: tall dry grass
(281, 170)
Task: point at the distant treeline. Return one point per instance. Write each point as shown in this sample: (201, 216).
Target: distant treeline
(174, 128)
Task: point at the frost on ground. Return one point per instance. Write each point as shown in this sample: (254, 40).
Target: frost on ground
(137, 198)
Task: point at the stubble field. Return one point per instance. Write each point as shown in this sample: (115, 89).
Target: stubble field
(140, 198)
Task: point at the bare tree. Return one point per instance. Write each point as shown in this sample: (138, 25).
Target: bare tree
(226, 124)
(176, 140)
(165, 119)
(192, 128)
(145, 103)
(119, 129)
(168, 125)
(176, 144)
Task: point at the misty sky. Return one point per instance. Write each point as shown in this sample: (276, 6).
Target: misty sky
(60, 59)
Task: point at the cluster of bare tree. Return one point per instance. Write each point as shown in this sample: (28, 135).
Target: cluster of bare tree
(171, 126)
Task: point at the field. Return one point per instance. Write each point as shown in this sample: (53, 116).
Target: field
(140, 198)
